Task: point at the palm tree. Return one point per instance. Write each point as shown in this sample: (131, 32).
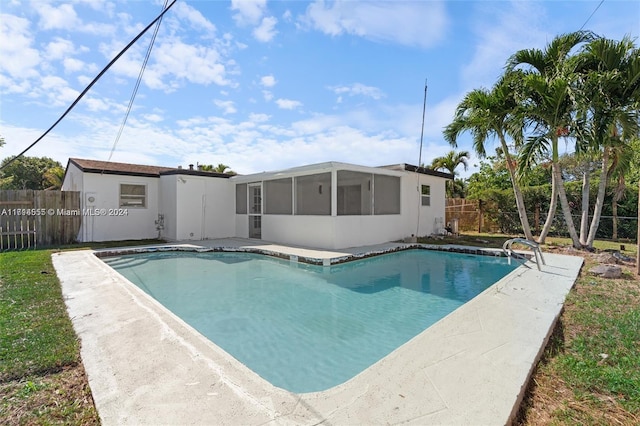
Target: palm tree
(620, 166)
(450, 163)
(220, 168)
(547, 103)
(609, 90)
(489, 114)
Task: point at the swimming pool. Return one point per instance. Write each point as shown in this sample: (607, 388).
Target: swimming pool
(307, 328)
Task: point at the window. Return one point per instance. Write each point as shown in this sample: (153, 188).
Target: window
(133, 195)
(386, 194)
(241, 198)
(278, 196)
(426, 195)
(313, 194)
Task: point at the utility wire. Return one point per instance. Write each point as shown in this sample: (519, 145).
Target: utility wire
(84, 92)
(592, 13)
(137, 86)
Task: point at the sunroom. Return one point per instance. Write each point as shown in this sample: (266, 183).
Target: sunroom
(336, 205)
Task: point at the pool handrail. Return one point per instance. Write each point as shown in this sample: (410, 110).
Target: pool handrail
(506, 247)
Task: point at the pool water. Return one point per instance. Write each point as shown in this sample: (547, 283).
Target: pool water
(308, 328)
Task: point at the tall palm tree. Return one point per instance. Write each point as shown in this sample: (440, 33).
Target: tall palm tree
(548, 104)
(451, 161)
(620, 166)
(220, 168)
(488, 114)
(609, 74)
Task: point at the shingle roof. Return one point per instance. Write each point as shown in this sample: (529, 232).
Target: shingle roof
(109, 167)
(127, 169)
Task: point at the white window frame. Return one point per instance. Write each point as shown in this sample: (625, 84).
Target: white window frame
(425, 196)
(122, 197)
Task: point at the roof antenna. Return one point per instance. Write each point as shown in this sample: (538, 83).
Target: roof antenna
(424, 108)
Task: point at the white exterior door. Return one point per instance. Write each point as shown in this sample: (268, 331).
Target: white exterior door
(255, 211)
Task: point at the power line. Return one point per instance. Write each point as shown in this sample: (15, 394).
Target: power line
(84, 92)
(592, 13)
(137, 86)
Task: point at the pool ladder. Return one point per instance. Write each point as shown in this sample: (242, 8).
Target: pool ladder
(537, 254)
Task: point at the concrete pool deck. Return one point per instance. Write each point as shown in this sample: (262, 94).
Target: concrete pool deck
(146, 366)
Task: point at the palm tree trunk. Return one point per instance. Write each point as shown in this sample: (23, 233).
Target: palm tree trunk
(614, 213)
(564, 203)
(553, 206)
(597, 210)
(522, 211)
(618, 194)
(638, 239)
(584, 219)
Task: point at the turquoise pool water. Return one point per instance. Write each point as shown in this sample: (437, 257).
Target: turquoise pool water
(307, 328)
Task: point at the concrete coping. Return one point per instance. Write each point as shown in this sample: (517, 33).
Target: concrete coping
(147, 366)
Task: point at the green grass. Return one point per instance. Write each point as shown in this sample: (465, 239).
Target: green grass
(604, 356)
(36, 335)
(42, 379)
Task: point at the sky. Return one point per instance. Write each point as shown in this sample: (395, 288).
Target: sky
(265, 85)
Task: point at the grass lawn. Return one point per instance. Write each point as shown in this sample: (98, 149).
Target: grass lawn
(589, 374)
(42, 380)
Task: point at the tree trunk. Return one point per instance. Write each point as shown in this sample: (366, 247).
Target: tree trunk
(564, 203)
(614, 213)
(638, 238)
(602, 187)
(618, 195)
(553, 206)
(522, 211)
(584, 219)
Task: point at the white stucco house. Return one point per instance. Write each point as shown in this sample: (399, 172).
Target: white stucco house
(328, 205)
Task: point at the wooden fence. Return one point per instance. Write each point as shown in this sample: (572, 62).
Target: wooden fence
(31, 219)
(470, 215)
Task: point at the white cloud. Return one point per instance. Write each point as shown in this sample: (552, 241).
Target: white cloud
(62, 17)
(268, 80)
(73, 65)
(154, 118)
(19, 58)
(249, 12)
(259, 118)
(194, 18)
(58, 91)
(173, 63)
(95, 104)
(268, 96)
(517, 25)
(227, 106)
(404, 22)
(288, 104)
(358, 89)
(59, 49)
(266, 31)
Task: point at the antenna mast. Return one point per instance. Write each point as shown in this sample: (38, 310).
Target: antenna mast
(424, 108)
